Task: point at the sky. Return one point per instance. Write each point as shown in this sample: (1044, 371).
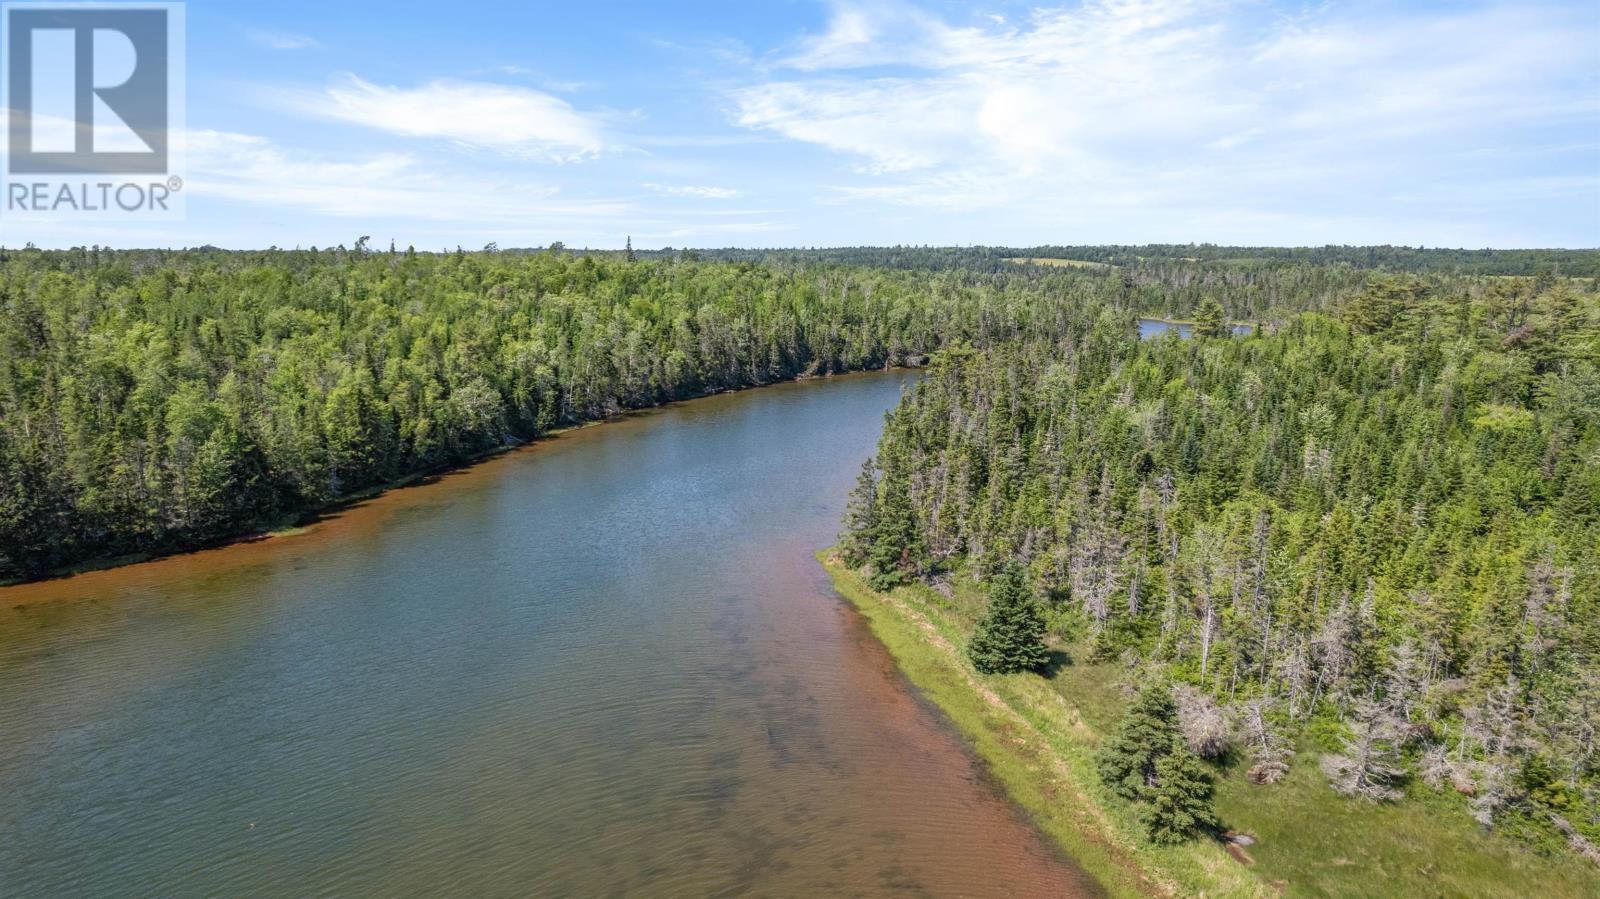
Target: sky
(801, 123)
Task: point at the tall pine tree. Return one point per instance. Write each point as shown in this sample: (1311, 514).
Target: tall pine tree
(1148, 763)
(1177, 803)
(1127, 761)
(1210, 320)
(1010, 638)
(861, 514)
(895, 546)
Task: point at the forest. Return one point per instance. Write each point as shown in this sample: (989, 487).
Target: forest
(1372, 528)
(159, 400)
(1396, 259)
(1372, 525)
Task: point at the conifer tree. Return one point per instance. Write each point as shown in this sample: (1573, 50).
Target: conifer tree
(1148, 762)
(1011, 636)
(1178, 803)
(1210, 320)
(1336, 513)
(1127, 761)
(861, 514)
(894, 547)
(1367, 768)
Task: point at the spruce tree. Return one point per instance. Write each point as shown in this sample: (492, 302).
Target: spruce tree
(1147, 762)
(894, 546)
(1177, 803)
(1127, 761)
(1011, 636)
(861, 514)
(1210, 320)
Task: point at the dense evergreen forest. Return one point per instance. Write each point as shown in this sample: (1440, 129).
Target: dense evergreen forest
(156, 400)
(1572, 263)
(1416, 260)
(1372, 529)
(1372, 526)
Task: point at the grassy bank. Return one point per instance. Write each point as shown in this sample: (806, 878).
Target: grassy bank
(1038, 747)
(1038, 736)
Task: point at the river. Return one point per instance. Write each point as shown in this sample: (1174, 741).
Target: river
(604, 664)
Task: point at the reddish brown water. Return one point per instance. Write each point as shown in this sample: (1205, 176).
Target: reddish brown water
(603, 665)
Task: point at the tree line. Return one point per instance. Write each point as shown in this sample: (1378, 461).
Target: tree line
(1371, 531)
(1387, 258)
(158, 400)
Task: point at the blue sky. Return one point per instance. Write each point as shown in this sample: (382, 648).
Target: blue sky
(837, 123)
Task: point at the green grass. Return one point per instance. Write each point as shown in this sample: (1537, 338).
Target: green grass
(1037, 748)
(1038, 735)
(1324, 844)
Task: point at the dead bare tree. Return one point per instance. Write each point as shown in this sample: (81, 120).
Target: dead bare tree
(1205, 728)
(1369, 766)
(1269, 751)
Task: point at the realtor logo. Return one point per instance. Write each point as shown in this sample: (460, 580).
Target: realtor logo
(92, 90)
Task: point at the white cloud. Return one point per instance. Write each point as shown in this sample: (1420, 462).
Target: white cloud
(517, 121)
(1216, 109)
(894, 124)
(282, 40)
(418, 195)
(554, 85)
(862, 35)
(1072, 88)
(703, 192)
(254, 170)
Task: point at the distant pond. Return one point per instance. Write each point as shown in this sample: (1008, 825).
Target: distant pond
(1155, 327)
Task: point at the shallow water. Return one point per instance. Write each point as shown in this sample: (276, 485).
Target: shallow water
(606, 664)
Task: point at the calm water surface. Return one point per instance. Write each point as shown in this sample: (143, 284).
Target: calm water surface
(1155, 327)
(606, 664)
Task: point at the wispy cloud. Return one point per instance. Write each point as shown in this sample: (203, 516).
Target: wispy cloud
(282, 40)
(258, 171)
(698, 191)
(723, 50)
(554, 85)
(1219, 107)
(414, 193)
(514, 120)
(862, 35)
(1468, 122)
